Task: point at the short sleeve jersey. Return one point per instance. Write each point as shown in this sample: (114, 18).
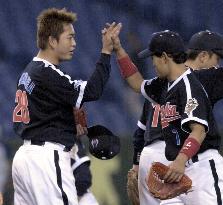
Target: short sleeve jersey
(180, 103)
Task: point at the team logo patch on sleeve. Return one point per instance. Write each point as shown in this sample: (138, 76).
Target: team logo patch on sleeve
(190, 106)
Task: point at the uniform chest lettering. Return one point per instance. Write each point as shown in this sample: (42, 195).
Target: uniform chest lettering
(167, 113)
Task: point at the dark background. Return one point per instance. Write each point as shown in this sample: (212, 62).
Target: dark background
(119, 108)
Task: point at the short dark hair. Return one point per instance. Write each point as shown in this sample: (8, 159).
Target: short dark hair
(50, 22)
(178, 58)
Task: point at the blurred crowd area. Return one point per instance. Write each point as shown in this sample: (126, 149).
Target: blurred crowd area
(119, 108)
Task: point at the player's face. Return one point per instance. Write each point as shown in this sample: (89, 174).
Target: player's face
(66, 43)
(212, 60)
(160, 66)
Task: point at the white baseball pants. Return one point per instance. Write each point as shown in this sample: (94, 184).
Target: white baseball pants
(42, 175)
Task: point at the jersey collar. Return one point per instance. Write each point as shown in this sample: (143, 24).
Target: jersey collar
(188, 71)
(47, 63)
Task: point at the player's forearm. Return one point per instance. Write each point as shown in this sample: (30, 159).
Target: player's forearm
(198, 132)
(135, 82)
(182, 158)
(128, 70)
(192, 144)
(98, 79)
(120, 53)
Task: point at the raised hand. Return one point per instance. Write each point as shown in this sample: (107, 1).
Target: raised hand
(116, 40)
(115, 37)
(120, 52)
(108, 33)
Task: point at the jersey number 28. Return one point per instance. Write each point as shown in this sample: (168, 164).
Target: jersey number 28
(21, 112)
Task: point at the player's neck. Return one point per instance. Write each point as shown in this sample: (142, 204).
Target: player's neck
(176, 71)
(49, 56)
(192, 64)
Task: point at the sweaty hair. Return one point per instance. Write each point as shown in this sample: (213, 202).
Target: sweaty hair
(50, 22)
(178, 58)
(192, 54)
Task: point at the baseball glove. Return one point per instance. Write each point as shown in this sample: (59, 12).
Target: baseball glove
(163, 190)
(132, 187)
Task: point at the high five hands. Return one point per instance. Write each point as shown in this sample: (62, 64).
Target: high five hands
(110, 37)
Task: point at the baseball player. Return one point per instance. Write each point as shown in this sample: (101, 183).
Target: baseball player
(205, 50)
(186, 117)
(43, 114)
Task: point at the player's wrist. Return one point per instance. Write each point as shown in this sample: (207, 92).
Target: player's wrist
(127, 67)
(118, 48)
(190, 147)
(120, 52)
(106, 51)
(182, 158)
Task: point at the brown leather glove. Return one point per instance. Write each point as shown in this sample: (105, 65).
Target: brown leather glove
(163, 190)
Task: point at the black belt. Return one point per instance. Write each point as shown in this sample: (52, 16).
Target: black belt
(195, 158)
(41, 143)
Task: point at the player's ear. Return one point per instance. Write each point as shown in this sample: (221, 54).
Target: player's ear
(203, 56)
(52, 42)
(165, 57)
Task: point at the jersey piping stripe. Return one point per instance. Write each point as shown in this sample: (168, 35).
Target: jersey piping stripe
(144, 92)
(203, 122)
(188, 91)
(140, 125)
(59, 179)
(215, 175)
(62, 74)
(48, 64)
(81, 94)
(83, 83)
(190, 116)
(188, 71)
(79, 161)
